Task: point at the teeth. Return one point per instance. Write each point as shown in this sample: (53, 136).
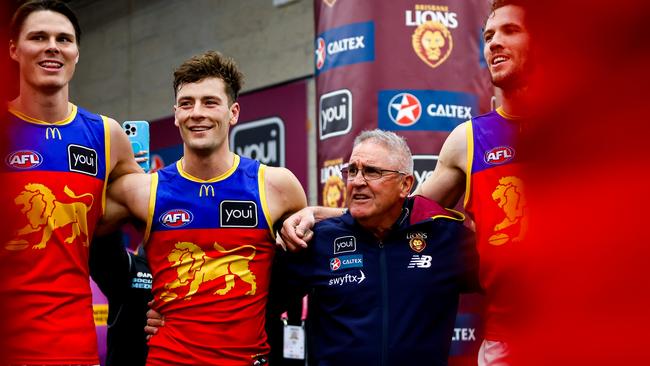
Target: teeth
(498, 59)
(51, 64)
(199, 128)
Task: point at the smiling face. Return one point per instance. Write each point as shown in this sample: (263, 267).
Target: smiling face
(507, 47)
(46, 50)
(376, 203)
(203, 115)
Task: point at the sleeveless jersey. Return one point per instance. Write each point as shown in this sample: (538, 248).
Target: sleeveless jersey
(210, 249)
(54, 181)
(495, 199)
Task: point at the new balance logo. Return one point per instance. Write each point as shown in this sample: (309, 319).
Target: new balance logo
(420, 261)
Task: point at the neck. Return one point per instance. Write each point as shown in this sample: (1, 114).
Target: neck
(47, 107)
(206, 167)
(382, 225)
(515, 101)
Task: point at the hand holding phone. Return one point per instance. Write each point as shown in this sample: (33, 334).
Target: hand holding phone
(138, 133)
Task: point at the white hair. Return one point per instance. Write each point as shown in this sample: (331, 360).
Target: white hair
(394, 143)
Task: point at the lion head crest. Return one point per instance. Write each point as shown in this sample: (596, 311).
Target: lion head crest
(509, 196)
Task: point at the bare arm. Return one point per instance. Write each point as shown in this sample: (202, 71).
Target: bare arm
(126, 180)
(447, 182)
(284, 193)
(127, 197)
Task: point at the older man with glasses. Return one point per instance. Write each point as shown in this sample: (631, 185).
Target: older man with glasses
(383, 279)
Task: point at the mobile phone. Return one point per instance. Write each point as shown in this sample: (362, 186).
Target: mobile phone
(138, 133)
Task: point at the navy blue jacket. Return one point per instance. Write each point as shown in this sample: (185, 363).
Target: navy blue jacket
(389, 302)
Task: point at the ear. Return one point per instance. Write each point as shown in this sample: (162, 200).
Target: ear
(174, 108)
(234, 114)
(406, 185)
(12, 50)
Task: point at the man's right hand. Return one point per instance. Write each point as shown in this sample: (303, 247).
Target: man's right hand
(296, 230)
(155, 320)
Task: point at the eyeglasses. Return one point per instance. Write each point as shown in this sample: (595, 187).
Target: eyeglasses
(367, 172)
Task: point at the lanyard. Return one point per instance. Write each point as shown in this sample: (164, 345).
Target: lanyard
(303, 315)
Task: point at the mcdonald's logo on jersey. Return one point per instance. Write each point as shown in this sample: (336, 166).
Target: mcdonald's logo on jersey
(206, 190)
(53, 132)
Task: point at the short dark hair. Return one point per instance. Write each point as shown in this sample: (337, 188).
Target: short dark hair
(496, 4)
(207, 65)
(39, 5)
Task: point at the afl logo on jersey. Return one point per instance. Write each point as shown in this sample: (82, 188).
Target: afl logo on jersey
(176, 218)
(24, 159)
(499, 155)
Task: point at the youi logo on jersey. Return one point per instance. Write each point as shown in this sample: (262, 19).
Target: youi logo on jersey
(82, 159)
(345, 244)
(238, 213)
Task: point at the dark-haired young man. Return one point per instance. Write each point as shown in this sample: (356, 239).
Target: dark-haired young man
(59, 159)
(209, 226)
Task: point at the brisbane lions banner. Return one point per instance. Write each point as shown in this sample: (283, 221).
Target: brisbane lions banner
(412, 67)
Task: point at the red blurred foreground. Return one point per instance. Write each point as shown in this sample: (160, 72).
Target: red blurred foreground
(588, 260)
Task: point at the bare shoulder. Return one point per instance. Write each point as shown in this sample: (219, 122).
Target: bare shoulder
(454, 150)
(115, 129)
(447, 182)
(283, 181)
(284, 192)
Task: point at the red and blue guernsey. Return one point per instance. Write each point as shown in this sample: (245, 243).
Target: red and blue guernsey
(495, 195)
(210, 248)
(54, 181)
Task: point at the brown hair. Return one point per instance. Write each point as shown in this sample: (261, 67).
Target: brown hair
(496, 4)
(39, 5)
(207, 65)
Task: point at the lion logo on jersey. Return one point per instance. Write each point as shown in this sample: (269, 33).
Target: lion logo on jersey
(44, 212)
(509, 196)
(194, 267)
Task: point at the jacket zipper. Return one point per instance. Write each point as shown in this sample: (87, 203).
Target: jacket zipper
(384, 304)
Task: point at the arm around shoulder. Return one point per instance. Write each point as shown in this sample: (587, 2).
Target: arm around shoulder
(126, 197)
